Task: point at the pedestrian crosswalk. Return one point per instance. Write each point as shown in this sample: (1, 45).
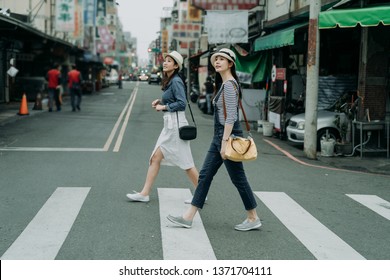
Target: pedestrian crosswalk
(373, 202)
(178, 243)
(46, 233)
(317, 238)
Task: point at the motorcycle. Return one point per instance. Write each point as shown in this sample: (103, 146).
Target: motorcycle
(194, 93)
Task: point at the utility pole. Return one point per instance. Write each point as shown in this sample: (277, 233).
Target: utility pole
(310, 137)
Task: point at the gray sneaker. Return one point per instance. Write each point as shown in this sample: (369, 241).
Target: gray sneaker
(180, 221)
(246, 225)
(137, 197)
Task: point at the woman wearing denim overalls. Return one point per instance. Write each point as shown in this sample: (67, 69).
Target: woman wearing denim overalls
(169, 149)
(225, 101)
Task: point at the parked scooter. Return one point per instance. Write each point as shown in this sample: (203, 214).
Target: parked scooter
(194, 93)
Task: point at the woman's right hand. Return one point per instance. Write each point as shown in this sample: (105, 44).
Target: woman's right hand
(155, 103)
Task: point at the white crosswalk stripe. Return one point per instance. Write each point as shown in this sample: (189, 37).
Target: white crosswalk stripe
(45, 234)
(179, 243)
(317, 238)
(373, 202)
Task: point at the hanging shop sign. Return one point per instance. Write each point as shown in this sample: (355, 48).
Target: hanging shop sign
(280, 73)
(64, 18)
(225, 4)
(227, 27)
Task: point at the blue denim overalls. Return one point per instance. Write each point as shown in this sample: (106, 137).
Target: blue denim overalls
(213, 162)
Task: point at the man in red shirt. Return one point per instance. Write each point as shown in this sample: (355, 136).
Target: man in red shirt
(74, 84)
(53, 77)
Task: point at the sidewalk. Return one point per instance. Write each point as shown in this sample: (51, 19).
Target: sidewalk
(9, 112)
(377, 164)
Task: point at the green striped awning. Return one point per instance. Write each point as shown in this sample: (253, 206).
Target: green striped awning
(277, 39)
(366, 17)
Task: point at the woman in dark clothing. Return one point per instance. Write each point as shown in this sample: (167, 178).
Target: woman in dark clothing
(225, 104)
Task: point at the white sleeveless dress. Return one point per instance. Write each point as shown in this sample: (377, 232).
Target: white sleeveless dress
(176, 152)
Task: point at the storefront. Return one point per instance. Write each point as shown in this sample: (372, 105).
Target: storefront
(32, 53)
(372, 27)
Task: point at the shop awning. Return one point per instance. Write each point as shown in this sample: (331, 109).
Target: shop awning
(277, 39)
(372, 16)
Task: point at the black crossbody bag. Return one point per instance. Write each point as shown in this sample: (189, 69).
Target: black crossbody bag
(187, 132)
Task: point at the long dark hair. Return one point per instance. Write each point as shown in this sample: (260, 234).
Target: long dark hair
(218, 81)
(167, 79)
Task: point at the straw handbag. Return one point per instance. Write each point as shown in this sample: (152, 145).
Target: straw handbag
(240, 148)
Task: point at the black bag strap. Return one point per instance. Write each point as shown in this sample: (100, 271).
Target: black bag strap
(189, 107)
(192, 116)
(240, 104)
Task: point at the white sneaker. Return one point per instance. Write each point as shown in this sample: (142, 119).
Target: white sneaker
(188, 201)
(137, 197)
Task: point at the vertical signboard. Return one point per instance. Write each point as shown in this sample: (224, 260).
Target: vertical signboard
(78, 33)
(164, 41)
(89, 12)
(101, 12)
(64, 19)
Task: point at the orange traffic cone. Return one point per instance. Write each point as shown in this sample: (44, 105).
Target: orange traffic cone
(23, 106)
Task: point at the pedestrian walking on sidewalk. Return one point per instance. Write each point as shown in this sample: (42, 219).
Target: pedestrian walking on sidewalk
(53, 77)
(169, 149)
(120, 80)
(74, 84)
(226, 122)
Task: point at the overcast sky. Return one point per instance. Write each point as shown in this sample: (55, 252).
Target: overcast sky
(142, 19)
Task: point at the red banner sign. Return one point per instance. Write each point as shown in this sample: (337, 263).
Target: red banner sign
(225, 4)
(280, 73)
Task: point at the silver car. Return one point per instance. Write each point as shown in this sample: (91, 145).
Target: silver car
(325, 121)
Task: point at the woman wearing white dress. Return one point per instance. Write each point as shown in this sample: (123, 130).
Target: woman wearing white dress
(169, 149)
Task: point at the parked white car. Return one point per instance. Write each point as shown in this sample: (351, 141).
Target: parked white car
(112, 77)
(325, 122)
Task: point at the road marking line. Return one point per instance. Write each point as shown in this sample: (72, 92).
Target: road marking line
(115, 128)
(124, 125)
(106, 145)
(373, 202)
(181, 243)
(47, 231)
(317, 238)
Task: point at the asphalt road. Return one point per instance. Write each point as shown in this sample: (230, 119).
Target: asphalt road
(64, 177)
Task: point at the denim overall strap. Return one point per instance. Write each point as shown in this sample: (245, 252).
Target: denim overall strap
(237, 130)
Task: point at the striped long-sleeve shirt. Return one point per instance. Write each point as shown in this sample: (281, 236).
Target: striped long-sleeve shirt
(230, 93)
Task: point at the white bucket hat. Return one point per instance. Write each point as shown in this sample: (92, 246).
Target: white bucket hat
(226, 53)
(176, 56)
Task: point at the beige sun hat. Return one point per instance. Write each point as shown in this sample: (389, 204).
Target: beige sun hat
(226, 53)
(176, 56)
